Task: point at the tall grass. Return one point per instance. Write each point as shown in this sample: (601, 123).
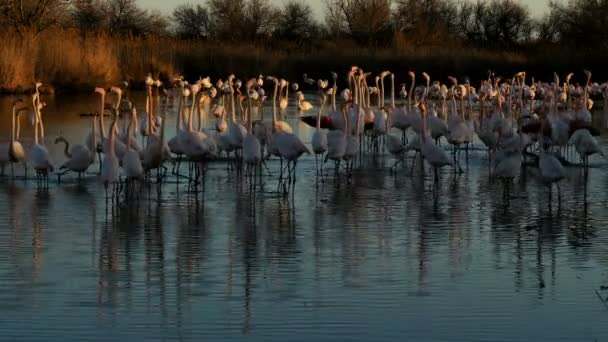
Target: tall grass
(69, 60)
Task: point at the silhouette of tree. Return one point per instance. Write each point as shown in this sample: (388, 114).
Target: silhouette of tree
(89, 15)
(31, 17)
(192, 21)
(366, 21)
(295, 23)
(425, 21)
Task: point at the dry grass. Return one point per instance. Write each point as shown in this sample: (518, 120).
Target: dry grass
(71, 61)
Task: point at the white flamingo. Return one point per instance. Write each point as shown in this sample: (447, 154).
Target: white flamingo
(252, 149)
(551, 169)
(131, 162)
(110, 172)
(319, 138)
(433, 154)
(236, 131)
(79, 157)
(38, 155)
(12, 152)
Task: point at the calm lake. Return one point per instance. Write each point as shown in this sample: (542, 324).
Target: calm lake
(379, 259)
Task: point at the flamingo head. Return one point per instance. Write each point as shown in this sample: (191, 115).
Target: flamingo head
(411, 74)
(426, 76)
(588, 74)
(569, 77)
(334, 76)
(403, 91)
(219, 84)
(346, 95)
(186, 92)
(283, 83)
(213, 92)
(194, 89)
(206, 83)
(149, 81)
(322, 83)
(260, 81)
(295, 86)
(116, 90)
(253, 94)
(453, 80)
(100, 91)
(384, 74)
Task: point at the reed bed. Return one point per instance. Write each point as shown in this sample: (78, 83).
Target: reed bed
(71, 61)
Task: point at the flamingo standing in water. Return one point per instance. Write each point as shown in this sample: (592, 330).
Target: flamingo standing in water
(433, 154)
(131, 162)
(252, 149)
(110, 172)
(12, 152)
(551, 169)
(319, 139)
(38, 154)
(79, 157)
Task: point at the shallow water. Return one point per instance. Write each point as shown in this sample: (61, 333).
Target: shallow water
(384, 258)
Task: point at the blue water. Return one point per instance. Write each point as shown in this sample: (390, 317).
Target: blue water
(383, 258)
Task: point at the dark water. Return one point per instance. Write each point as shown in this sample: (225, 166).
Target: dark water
(381, 259)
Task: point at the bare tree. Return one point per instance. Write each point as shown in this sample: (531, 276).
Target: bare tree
(89, 15)
(124, 16)
(425, 21)
(228, 17)
(364, 20)
(579, 23)
(498, 23)
(260, 18)
(295, 22)
(32, 16)
(192, 21)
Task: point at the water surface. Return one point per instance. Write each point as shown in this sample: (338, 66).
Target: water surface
(387, 257)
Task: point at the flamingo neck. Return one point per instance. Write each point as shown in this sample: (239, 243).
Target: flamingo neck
(409, 99)
(13, 125)
(274, 106)
(392, 92)
(179, 125)
(249, 122)
(131, 120)
(232, 105)
(191, 114)
(102, 126)
(333, 96)
(319, 114)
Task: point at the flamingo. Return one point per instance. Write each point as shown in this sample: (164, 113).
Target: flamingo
(174, 143)
(252, 149)
(283, 101)
(193, 142)
(319, 138)
(551, 169)
(38, 154)
(337, 141)
(457, 130)
(236, 131)
(131, 162)
(585, 145)
(79, 157)
(12, 152)
(401, 118)
(157, 150)
(433, 154)
(110, 173)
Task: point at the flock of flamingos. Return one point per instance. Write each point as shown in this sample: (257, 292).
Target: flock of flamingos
(518, 120)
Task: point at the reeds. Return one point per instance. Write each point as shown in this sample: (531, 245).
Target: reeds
(71, 61)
